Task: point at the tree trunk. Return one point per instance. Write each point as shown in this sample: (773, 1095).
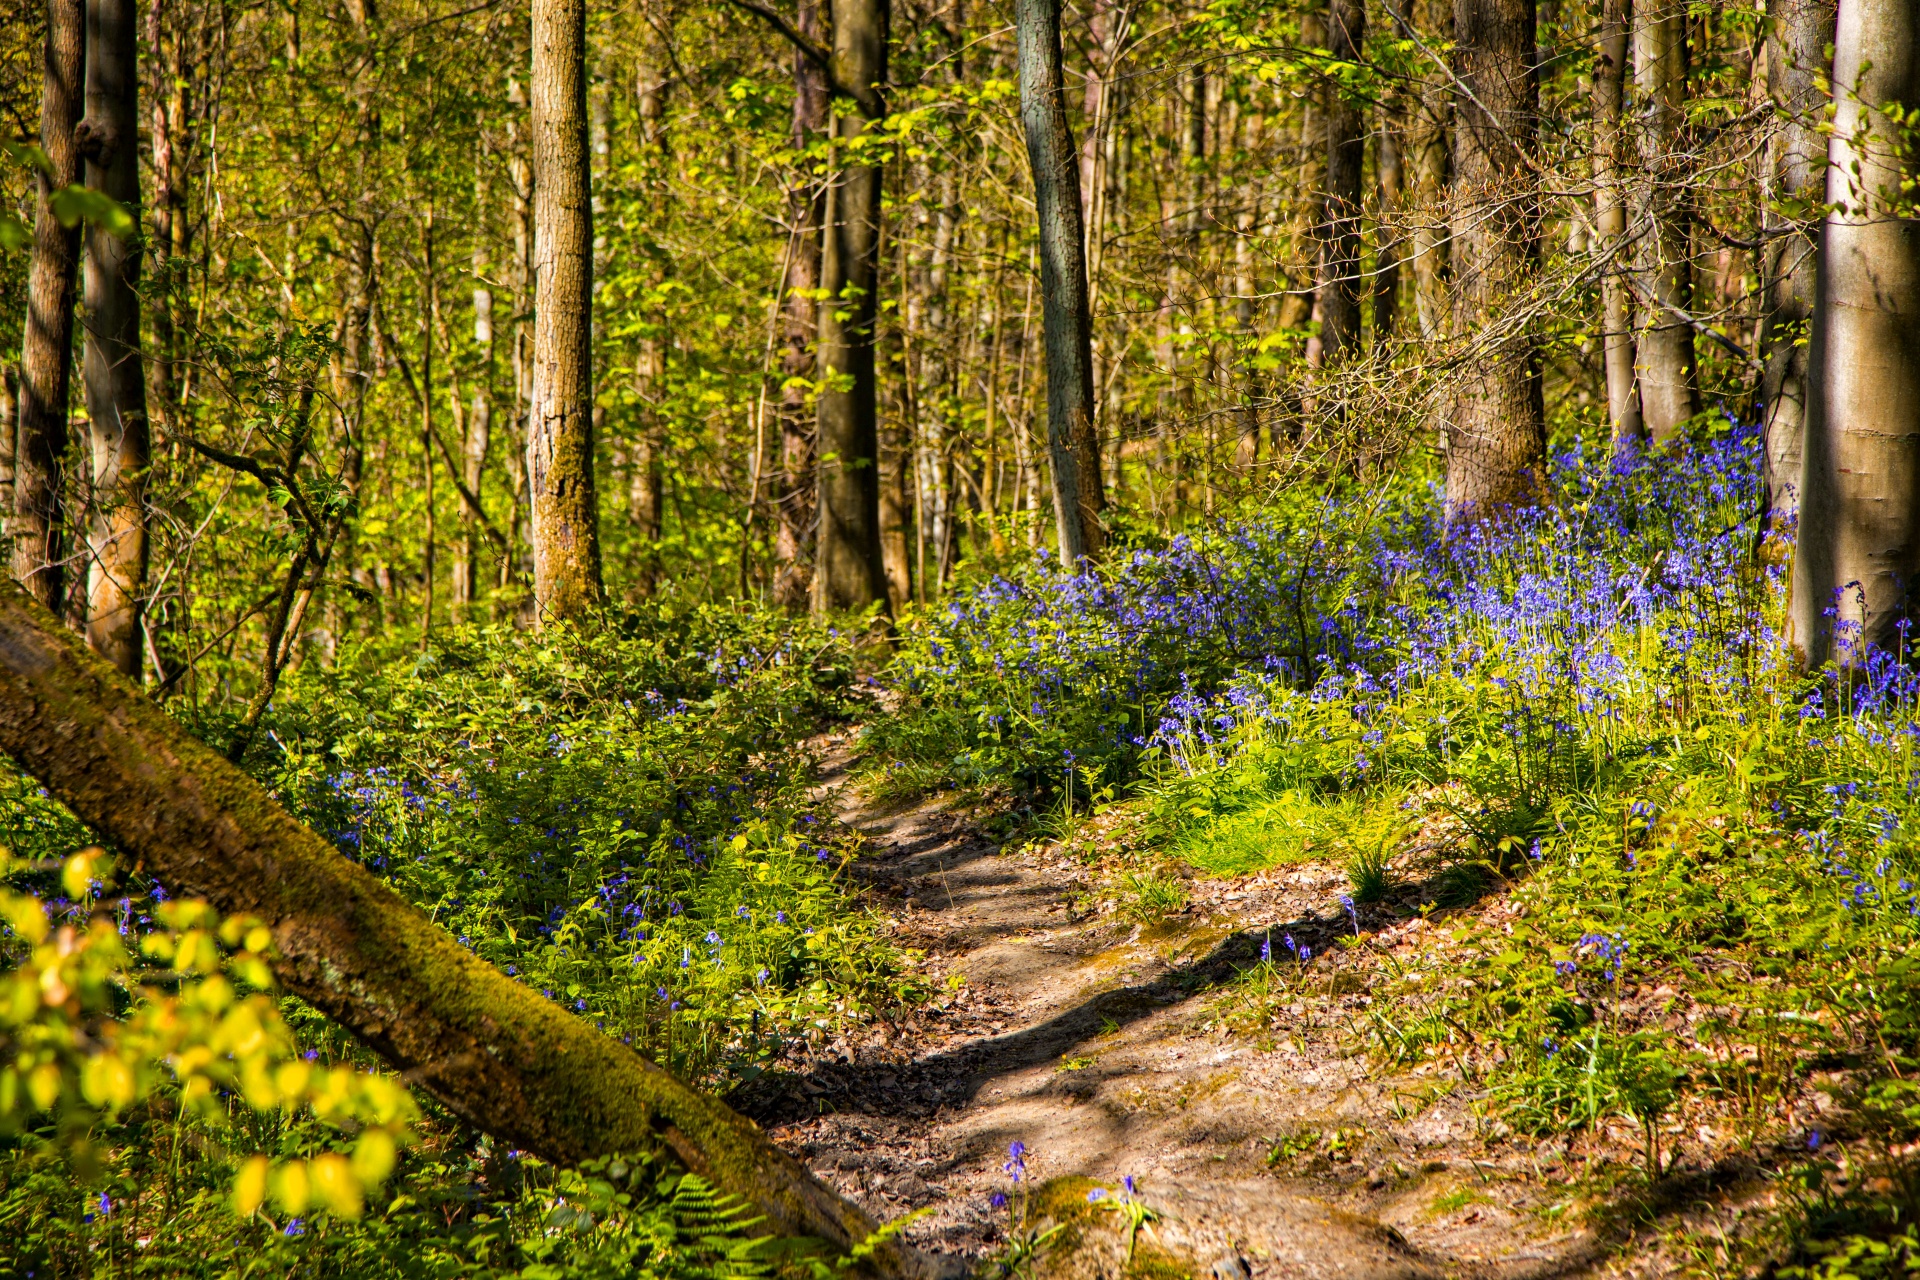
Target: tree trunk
(1798, 32)
(1339, 283)
(493, 1052)
(1610, 228)
(1859, 541)
(108, 139)
(848, 573)
(565, 526)
(1669, 383)
(477, 438)
(1067, 328)
(1391, 177)
(46, 355)
(1497, 440)
(1427, 150)
(793, 541)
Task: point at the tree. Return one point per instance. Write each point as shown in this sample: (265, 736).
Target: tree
(1610, 228)
(565, 532)
(1346, 142)
(493, 1052)
(793, 548)
(46, 357)
(848, 573)
(108, 139)
(1066, 325)
(1798, 32)
(1496, 442)
(1669, 373)
(1859, 542)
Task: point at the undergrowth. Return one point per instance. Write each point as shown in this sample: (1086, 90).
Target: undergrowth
(619, 819)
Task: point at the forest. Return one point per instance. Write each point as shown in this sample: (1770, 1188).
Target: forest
(1115, 640)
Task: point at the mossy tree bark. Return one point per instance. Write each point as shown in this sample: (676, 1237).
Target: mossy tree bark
(109, 140)
(1066, 325)
(46, 356)
(1859, 540)
(566, 516)
(508, 1062)
(1496, 445)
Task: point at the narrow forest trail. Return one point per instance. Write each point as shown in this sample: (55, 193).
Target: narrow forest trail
(1096, 1043)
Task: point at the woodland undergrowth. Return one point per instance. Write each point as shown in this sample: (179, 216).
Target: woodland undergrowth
(1667, 879)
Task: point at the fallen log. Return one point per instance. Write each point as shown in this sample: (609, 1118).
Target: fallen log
(513, 1065)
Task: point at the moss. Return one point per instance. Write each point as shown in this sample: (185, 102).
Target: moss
(1151, 1263)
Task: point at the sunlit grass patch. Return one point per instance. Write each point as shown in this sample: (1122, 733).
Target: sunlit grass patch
(1278, 832)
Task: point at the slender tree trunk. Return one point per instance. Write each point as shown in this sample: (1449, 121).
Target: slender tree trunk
(1428, 152)
(1497, 441)
(1391, 176)
(478, 437)
(1066, 324)
(565, 525)
(46, 356)
(793, 540)
(116, 383)
(1669, 383)
(848, 573)
(495, 1053)
(1610, 227)
(1339, 283)
(429, 318)
(1798, 33)
(1859, 539)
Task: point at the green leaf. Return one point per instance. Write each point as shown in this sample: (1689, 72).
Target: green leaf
(75, 203)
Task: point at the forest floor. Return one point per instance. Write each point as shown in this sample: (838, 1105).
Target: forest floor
(1109, 1049)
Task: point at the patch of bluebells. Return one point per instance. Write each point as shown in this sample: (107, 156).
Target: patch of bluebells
(1359, 599)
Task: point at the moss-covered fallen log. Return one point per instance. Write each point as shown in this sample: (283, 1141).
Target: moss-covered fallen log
(513, 1065)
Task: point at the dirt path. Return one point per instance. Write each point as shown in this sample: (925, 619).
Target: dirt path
(1098, 1043)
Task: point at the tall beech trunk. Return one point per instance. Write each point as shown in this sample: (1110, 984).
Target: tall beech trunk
(565, 526)
(46, 353)
(1427, 160)
(793, 539)
(108, 139)
(1798, 33)
(493, 1052)
(1859, 540)
(1067, 328)
(1669, 382)
(1610, 227)
(1339, 284)
(1497, 440)
(848, 573)
(1391, 177)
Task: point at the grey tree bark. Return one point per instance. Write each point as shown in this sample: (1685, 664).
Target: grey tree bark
(46, 356)
(1858, 551)
(848, 573)
(1066, 326)
(109, 141)
(565, 513)
(1610, 227)
(1340, 246)
(1669, 375)
(1428, 152)
(1798, 33)
(1497, 440)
